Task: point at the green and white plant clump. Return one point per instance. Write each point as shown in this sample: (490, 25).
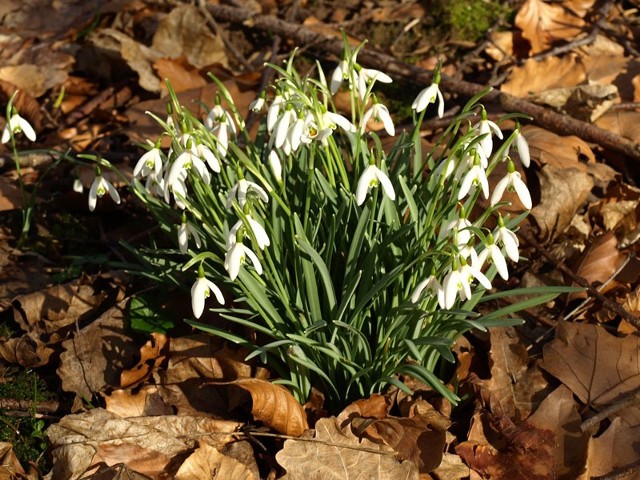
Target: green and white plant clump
(353, 263)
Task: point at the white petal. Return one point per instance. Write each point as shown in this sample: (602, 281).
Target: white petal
(233, 260)
(498, 191)
(440, 102)
(523, 149)
(198, 291)
(522, 191)
(254, 259)
(216, 291)
(510, 242)
(499, 261)
(93, 193)
(386, 184)
(418, 290)
(276, 165)
(183, 238)
(115, 196)
(260, 233)
(27, 129)
(6, 134)
(364, 184)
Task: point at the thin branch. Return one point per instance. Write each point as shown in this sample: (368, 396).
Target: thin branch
(627, 400)
(544, 117)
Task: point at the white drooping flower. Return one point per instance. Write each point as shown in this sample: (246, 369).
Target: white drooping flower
(432, 287)
(185, 231)
(460, 227)
(379, 113)
(258, 104)
(513, 182)
(431, 94)
(474, 177)
(281, 129)
(99, 187)
(487, 128)
(458, 282)
(149, 163)
(493, 252)
(186, 161)
(205, 152)
(17, 124)
(235, 258)
(508, 239)
(274, 112)
(258, 231)
(243, 188)
(368, 76)
(276, 165)
(200, 291)
(523, 148)
(372, 177)
(340, 74)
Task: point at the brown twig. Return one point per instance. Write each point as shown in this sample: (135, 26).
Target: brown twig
(20, 407)
(627, 400)
(544, 117)
(620, 473)
(583, 282)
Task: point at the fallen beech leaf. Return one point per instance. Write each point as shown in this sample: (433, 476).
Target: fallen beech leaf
(548, 148)
(536, 76)
(185, 33)
(10, 466)
(626, 124)
(336, 455)
(274, 406)
(599, 262)
(376, 406)
(180, 75)
(10, 195)
(145, 401)
(451, 468)
(617, 447)
(558, 413)
(207, 462)
(595, 365)
(152, 354)
(544, 24)
(29, 350)
(582, 102)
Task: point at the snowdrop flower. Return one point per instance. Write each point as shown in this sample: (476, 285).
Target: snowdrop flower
(155, 185)
(513, 182)
(380, 113)
(99, 187)
(235, 258)
(185, 162)
(431, 94)
(295, 134)
(258, 104)
(150, 162)
(78, 187)
(222, 131)
(340, 74)
(331, 120)
(205, 152)
(458, 282)
(243, 188)
(274, 111)
(508, 239)
(372, 177)
(218, 115)
(475, 176)
(523, 147)
(493, 252)
(185, 231)
(431, 285)
(201, 290)
(276, 165)
(281, 129)
(258, 231)
(486, 127)
(368, 76)
(460, 227)
(17, 124)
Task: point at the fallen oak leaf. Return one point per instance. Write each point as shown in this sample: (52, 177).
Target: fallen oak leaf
(208, 462)
(274, 406)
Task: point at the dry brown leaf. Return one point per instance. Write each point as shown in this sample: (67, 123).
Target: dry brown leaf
(376, 406)
(543, 24)
(94, 358)
(514, 384)
(152, 354)
(595, 365)
(179, 74)
(536, 76)
(336, 455)
(10, 466)
(626, 124)
(583, 102)
(274, 406)
(145, 401)
(558, 413)
(29, 350)
(59, 306)
(207, 462)
(579, 7)
(145, 444)
(617, 447)
(451, 468)
(599, 262)
(185, 33)
(500, 450)
(501, 46)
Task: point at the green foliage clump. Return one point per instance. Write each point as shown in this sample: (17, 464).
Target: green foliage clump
(470, 19)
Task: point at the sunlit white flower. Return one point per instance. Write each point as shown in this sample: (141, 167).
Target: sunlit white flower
(458, 282)
(258, 231)
(460, 227)
(282, 127)
(222, 131)
(368, 76)
(523, 148)
(508, 239)
(185, 231)
(235, 258)
(340, 74)
(150, 162)
(379, 113)
(78, 187)
(17, 124)
(430, 284)
(431, 94)
(295, 133)
(242, 189)
(445, 168)
(487, 128)
(99, 187)
(493, 252)
(274, 112)
(155, 185)
(513, 182)
(205, 152)
(200, 291)
(333, 120)
(276, 165)
(258, 104)
(372, 177)
(475, 176)
(186, 161)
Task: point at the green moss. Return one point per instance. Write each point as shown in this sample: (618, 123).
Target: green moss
(470, 19)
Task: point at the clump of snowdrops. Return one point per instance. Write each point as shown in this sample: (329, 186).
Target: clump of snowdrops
(353, 264)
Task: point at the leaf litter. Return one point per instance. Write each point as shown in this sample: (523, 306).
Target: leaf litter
(178, 405)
